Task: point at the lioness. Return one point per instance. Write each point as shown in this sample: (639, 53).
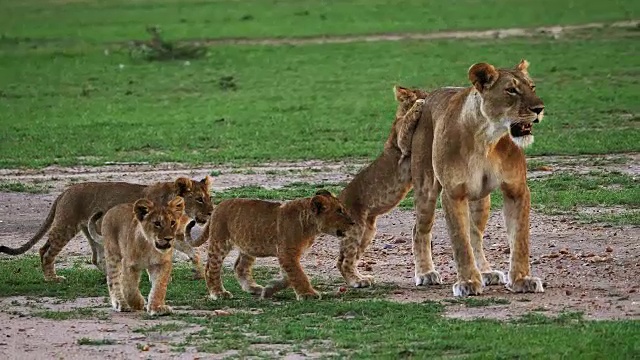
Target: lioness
(466, 145)
(72, 209)
(138, 237)
(380, 186)
(263, 229)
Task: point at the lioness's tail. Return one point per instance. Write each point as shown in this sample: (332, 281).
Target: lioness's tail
(43, 230)
(202, 238)
(91, 227)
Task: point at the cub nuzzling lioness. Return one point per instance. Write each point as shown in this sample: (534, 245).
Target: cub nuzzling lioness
(72, 209)
(261, 228)
(139, 237)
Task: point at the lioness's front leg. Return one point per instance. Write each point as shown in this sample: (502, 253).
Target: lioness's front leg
(456, 210)
(517, 203)
(289, 260)
(159, 276)
(479, 211)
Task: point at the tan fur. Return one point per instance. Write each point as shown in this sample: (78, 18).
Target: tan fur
(139, 237)
(380, 186)
(462, 147)
(73, 208)
(269, 229)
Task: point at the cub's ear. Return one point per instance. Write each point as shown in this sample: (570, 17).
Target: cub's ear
(482, 76)
(323, 192)
(523, 67)
(141, 208)
(177, 204)
(207, 181)
(183, 185)
(403, 94)
(318, 203)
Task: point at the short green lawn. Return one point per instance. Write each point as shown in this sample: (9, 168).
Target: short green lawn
(121, 20)
(357, 324)
(77, 105)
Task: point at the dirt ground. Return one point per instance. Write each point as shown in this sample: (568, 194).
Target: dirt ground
(588, 268)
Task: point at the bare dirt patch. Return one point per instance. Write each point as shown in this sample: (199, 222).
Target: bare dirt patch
(586, 268)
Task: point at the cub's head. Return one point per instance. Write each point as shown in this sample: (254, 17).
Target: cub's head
(406, 98)
(159, 222)
(331, 217)
(508, 98)
(196, 196)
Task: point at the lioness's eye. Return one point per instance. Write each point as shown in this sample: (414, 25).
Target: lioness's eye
(200, 200)
(512, 91)
(157, 223)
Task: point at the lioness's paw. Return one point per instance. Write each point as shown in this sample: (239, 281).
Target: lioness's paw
(430, 278)
(493, 277)
(467, 288)
(220, 295)
(527, 284)
(309, 296)
(160, 310)
(362, 282)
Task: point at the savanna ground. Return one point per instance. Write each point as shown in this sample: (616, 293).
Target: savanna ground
(290, 96)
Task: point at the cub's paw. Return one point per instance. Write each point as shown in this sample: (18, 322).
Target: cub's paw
(268, 292)
(198, 274)
(55, 278)
(255, 289)
(119, 307)
(160, 310)
(528, 284)
(430, 278)
(309, 296)
(361, 282)
(467, 288)
(493, 277)
(220, 295)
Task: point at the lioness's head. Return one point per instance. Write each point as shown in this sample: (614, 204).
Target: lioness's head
(196, 196)
(159, 222)
(406, 98)
(331, 216)
(508, 98)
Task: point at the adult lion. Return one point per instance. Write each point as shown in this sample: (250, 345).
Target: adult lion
(467, 143)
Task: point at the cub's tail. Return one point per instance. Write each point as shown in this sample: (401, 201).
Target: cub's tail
(43, 230)
(92, 228)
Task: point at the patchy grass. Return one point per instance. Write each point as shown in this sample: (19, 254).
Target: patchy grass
(86, 313)
(23, 187)
(248, 104)
(115, 20)
(356, 324)
(96, 342)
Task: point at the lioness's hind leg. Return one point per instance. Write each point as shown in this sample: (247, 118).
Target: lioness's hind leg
(242, 268)
(59, 236)
(479, 211)
(425, 204)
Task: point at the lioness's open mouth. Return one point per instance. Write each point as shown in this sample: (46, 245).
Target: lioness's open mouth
(163, 247)
(521, 129)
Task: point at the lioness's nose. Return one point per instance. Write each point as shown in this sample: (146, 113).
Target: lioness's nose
(537, 109)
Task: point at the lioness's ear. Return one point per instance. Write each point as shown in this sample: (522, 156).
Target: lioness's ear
(318, 204)
(183, 186)
(323, 192)
(523, 66)
(206, 181)
(482, 75)
(177, 204)
(402, 93)
(141, 208)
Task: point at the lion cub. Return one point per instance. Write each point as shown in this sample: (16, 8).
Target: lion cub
(264, 229)
(138, 237)
(410, 103)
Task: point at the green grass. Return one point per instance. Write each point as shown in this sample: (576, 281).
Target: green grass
(71, 314)
(6, 186)
(74, 105)
(357, 324)
(559, 193)
(119, 20)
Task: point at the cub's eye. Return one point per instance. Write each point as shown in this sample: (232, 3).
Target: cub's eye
(173, 223)
(200, 200)
(533, 88)
(512, 91)
(340, 211)
(157, 223)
